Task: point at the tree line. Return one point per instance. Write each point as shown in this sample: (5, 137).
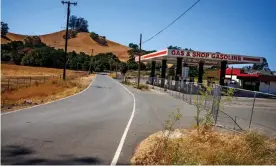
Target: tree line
(33, 52)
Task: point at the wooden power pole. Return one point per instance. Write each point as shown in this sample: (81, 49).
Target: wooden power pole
(66, 38)
(139, 63)
(89, 72)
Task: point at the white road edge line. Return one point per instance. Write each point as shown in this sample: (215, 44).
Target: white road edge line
(119, 149)
(51, 101)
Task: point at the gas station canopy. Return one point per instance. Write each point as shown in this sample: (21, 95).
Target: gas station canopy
(194, 57)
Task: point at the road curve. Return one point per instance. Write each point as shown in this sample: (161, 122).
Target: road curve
(83, 129)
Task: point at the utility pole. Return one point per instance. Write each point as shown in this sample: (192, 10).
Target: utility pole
(116, 70)
(89, 72)
(139, 63)
(66, 38)
(110, 67)
(231, 73)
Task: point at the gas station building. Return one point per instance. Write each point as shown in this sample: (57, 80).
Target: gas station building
(185, 58)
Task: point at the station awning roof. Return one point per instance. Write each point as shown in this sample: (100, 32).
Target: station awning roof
(194, 57)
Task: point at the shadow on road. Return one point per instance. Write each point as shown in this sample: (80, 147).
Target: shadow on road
(97, 86)
(24, 156)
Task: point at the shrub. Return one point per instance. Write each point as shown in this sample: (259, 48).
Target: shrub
(141, 86)
(71, 34)
(94, 36)
(206, 148)
(99, 39)
(33, 41)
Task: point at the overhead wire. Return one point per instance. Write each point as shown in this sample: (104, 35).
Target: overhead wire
(171, 22)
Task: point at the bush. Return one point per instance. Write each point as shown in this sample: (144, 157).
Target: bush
(39, 57)
(33, 41)
(6, 57)
(71, 34)
(206, 148)
(94, 36)
(99, 39)
(126, 82)
(141, 86)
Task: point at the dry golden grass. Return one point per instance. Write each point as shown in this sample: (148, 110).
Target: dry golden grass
(21, 71)
(207, 147)
(41, 93)
(112, 74)
(82, 43)
(142, 87)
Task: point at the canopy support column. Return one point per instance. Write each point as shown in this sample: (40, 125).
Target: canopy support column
(200, 72)
(222, 72)
(163, 72)
(152, 73)
(178, 72)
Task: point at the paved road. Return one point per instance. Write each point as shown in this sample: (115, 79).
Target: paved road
(263, 117)
(86, 128)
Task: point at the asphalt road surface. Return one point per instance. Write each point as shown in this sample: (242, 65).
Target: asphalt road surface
(87, 128)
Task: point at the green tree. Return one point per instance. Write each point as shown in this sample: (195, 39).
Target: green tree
(134, 51)
(171, 71)
(39, 57)
(78, 23)
(4, 29)
(33, 41)
(123, 69)
(262, 66)
(193, 71)
(17, 55)
(58, 58)
(174, 47)
(72, 61)
(94, 36)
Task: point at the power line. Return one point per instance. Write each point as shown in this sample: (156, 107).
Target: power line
(172, 22)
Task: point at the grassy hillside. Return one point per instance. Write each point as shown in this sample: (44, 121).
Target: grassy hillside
(82, 43)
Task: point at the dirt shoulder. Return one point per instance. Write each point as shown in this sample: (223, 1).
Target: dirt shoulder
(51, 90)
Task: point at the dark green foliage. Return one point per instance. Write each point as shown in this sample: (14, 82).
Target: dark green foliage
(263, 66)
(133, 46)
(99, 39)
(174, 47)
(171, 71)
(78, 24)
(33, 53)
(193, 71)
(39, 57)
(33, 41)
(94, 36)
(135, 51)
(6, 57)
(105, 61)
(85, 66)
(4, 28)
(15, 50)
(58, 58)
(132, 65)
(72, 22)
(123, 68)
